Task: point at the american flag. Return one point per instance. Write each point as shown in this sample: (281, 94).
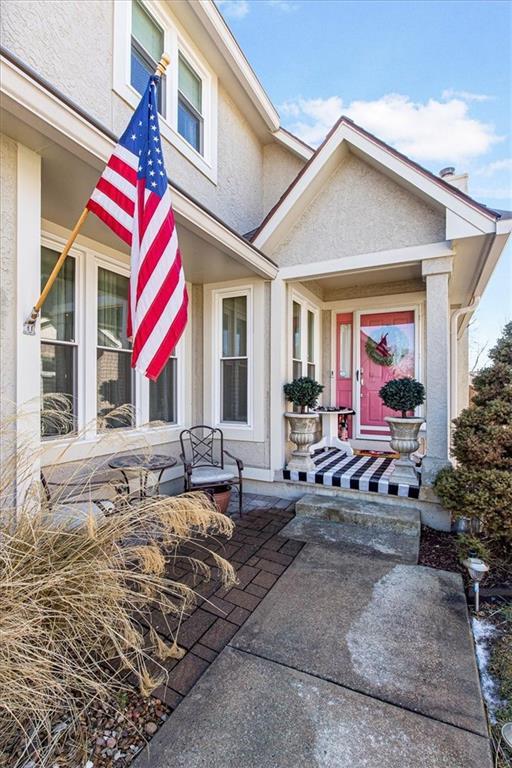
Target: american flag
(132, 197)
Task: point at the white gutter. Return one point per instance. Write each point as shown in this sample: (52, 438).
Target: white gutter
(454, 351)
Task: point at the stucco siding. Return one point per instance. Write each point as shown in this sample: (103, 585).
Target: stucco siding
(359, 210)
(280, 167)
(8, 272)
(68, 42)
(237, 197)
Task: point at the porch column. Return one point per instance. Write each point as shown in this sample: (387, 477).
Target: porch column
(436, 273)
(278, 325)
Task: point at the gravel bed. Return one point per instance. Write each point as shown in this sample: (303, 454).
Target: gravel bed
(119, 732)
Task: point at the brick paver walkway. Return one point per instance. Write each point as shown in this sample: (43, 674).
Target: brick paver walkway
(259, 555)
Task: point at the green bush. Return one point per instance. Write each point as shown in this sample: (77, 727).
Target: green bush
(303, 392)
(480, 486)
(482, 493)
(402, 395)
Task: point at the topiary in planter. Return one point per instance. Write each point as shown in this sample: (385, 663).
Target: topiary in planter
(303, 392)
(402, 395)
(480, 485)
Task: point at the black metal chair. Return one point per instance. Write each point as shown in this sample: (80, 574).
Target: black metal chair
(202, 454)
(73, 491)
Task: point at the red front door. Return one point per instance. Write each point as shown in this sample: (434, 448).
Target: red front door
(387, 352)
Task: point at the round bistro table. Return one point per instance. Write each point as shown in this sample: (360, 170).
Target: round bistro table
(144, 465)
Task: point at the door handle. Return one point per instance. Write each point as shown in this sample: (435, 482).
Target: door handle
(357, 375)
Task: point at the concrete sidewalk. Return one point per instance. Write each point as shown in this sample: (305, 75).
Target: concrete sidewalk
(351, 661)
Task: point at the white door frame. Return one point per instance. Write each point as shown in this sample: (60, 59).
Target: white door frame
(356, 347)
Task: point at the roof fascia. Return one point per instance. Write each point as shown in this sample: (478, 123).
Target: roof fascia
(294, 144)
(37, 103)
(268, 235)
(212, 20)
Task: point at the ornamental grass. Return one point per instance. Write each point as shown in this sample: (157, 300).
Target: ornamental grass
(76, 591)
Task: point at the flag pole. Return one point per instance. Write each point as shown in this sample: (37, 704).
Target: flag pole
(29, 326)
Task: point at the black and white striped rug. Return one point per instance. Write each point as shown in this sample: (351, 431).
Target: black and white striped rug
(359, 473)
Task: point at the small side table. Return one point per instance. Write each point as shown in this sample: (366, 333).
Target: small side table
(138, 462)
(330, 437)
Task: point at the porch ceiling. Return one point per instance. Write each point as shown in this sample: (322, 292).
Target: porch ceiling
(345, 285)
(67, 183)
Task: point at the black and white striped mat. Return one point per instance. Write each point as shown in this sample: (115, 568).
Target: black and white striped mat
(360, 473)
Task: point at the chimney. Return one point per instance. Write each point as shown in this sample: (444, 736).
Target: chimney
(460, 181)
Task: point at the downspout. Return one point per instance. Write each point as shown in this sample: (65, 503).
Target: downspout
(453, 353)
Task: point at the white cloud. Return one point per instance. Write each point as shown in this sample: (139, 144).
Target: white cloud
(238, 9)
(498, 166)
(234, 9)
(449, 93)
(283, 5)
(492, 193)
(435, 131)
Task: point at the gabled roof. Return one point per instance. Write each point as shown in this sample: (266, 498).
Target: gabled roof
(346, 130)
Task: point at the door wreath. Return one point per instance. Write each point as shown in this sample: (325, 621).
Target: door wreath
(382, 353)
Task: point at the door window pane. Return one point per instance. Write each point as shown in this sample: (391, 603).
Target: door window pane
(234, 390)
(58, 311)
(234, 326)
(163, 394)
(345, 351)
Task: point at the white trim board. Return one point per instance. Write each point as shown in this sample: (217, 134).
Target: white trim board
(367, 261)
(349, 134)
(32, 103)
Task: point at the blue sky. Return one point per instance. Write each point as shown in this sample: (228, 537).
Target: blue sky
(431, 78)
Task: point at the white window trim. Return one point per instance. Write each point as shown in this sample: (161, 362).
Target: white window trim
(254, 429)
(91, 442)
(175, 42)
(305, 305)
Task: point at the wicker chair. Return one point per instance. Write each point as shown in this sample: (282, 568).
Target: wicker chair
(202, 454)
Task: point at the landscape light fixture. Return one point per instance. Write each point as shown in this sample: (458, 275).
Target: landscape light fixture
(477, 570)
(506, 733)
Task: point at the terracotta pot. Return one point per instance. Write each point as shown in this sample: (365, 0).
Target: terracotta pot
(404, 440)
(303, 429)
(220, 497)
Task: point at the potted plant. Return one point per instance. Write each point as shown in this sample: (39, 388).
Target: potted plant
(303, 393)
(403, 395)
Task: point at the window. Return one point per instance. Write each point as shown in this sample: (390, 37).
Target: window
(58, 348)
(304, 342)
(234, 360)
(311, 344)
(296, 341)
(143, 30)
(115, 386)
(163, 394)
(190, 119)
(147, 46)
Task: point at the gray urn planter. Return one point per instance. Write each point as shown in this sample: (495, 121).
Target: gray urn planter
(303, 429)
(404, 440)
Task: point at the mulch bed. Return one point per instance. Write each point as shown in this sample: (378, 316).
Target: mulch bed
(260, 555)
(438, 550)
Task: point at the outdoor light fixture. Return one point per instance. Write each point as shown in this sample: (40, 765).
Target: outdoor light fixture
(477, 570)
(506, 732)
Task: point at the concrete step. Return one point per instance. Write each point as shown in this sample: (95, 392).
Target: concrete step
(389, 544)
(400, 519)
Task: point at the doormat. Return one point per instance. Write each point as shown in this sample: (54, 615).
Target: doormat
(377, 454)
